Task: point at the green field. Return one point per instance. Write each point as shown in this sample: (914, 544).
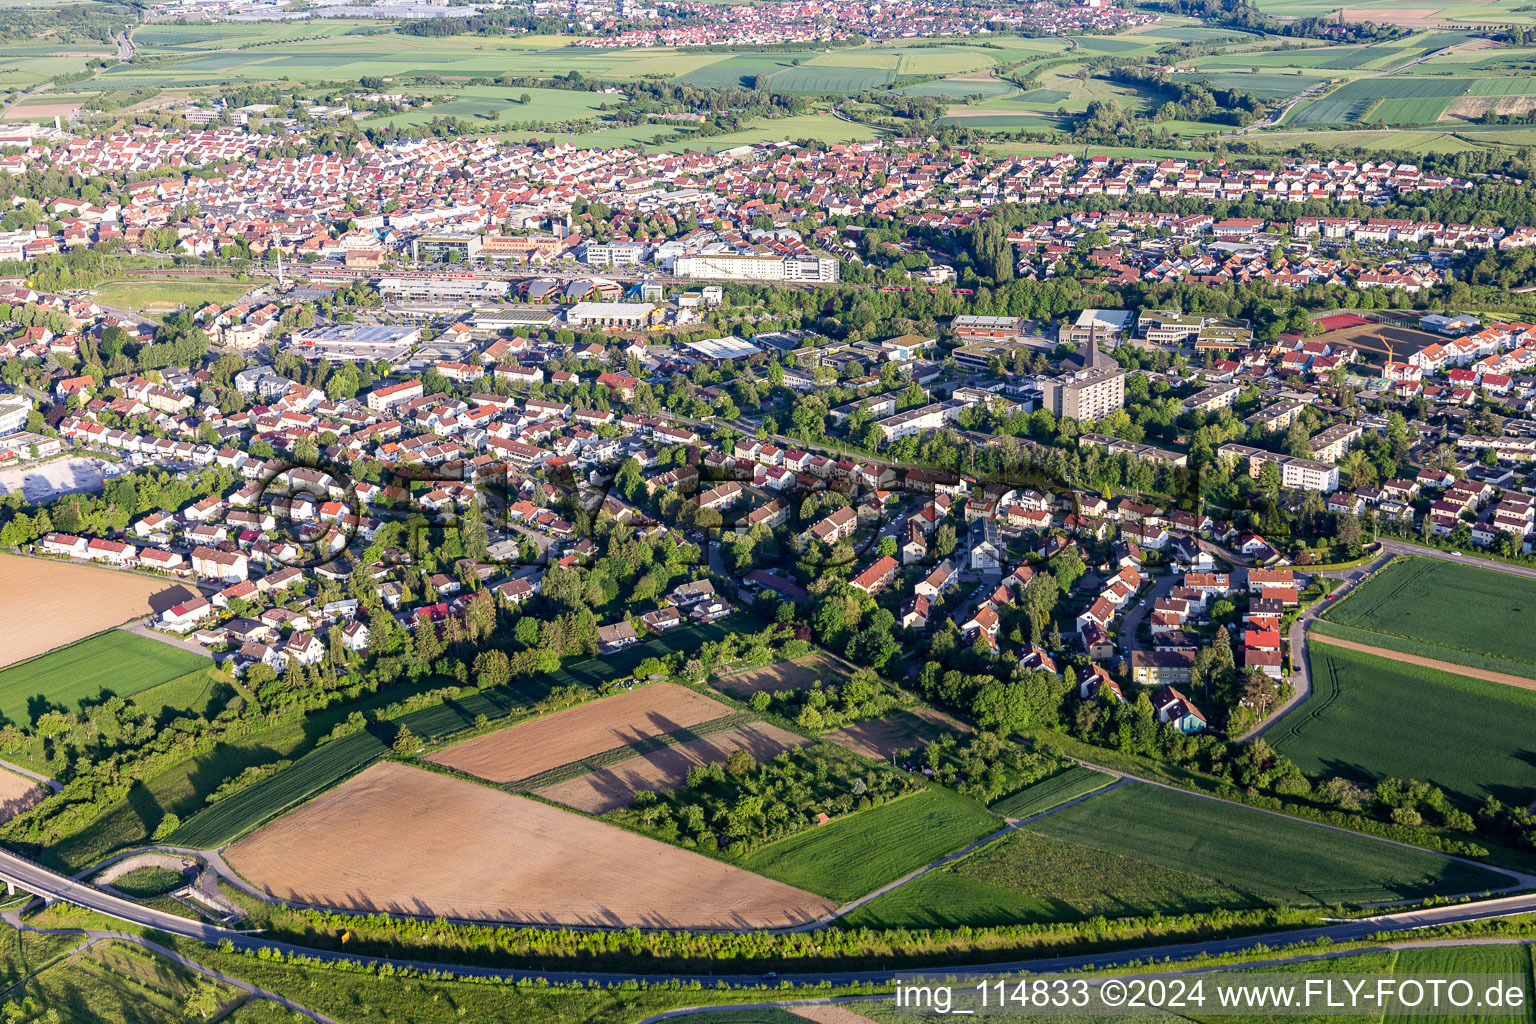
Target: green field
(140, 295)
(1052, 791)
(1355, 101)
(1410, 597)
(1369, 718)
(854, 855)
(1276, 860)
(1028, 877)
(143, 883)
(114, 662)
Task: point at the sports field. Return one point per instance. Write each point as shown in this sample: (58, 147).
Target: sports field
(1278, 860)
(1370, 718)
(1410, 598)
(140, 296)
(854, 855)
(114, 662)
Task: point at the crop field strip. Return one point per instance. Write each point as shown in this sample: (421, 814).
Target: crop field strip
(854, 855)
(616, 755)
(1408, 598)
(1284, 861)
(1368, 717)
(1422, 649)
(1063, 787)
(666, 769)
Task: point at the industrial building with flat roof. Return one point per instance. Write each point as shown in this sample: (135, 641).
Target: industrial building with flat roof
(353, 343)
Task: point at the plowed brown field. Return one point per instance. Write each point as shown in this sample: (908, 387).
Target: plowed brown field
(609, 788)
(408, 841)
(61, 602)
(519, 751)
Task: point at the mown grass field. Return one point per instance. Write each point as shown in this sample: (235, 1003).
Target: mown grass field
(1370, 718)
(1411, 597)
(1278, 860)
(854, 855)
(1053, 791)
(113, 662)
(1028, 877)
(140, 295)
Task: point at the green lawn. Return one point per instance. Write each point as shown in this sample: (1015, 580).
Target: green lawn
(1053, 791)
(1370, 718)
(114, 662)
(145, 882)
(854, 855)
(140, 295)
(1410, 598)
(1278, 860)
(1028, 877)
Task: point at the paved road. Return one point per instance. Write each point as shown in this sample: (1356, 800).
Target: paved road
(1126, 638)
(1301, 668)
(141, 628)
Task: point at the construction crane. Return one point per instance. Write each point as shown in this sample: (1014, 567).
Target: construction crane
(1386, 371)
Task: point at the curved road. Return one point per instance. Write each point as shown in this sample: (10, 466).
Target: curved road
(39, 880)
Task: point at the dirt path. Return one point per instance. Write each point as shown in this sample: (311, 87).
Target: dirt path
(1413, 659)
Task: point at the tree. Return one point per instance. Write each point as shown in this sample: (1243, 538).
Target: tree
(492, 668)
(404, 741)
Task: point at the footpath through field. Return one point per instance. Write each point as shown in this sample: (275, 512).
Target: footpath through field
(1413, 659)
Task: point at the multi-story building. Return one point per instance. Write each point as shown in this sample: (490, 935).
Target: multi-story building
(1330, 445)
(1295, 473)
(751, 266)
(1107, 326)
(1085, 395)
(1209, 400)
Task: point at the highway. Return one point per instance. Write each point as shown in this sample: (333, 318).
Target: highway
(39, 880)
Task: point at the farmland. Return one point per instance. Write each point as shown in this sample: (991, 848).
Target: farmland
(610, 788)
(880, 738)
(1409, 597)
(783, 675)
(530, 748)
(112, 662)
(401, 839)
(183, 788)
(64, 602)
(1053, 791)
(17, 793)
(857, 854)
(1028, 877)
(1361, 100)
(1368, 716)
(1274, 859)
